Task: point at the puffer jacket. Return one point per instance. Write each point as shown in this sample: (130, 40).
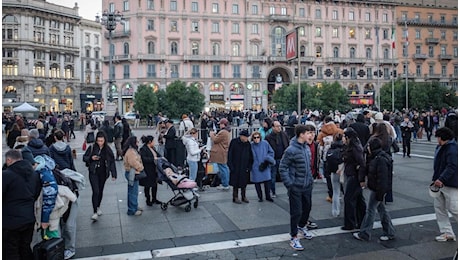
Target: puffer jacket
(446, 164)
(38, 147)
(295, 169)
(62, 155)
(192, 147)
(379, 173)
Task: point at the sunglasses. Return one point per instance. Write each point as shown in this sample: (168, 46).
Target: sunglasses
(256, 137)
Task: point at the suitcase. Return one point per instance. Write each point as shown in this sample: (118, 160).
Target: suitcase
(51, 249)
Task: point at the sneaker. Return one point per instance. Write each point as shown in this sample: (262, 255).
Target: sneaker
(356, 236)
(99, 211)
(140, 209)
(273, 195)
(445, 237)
(311, 225)
(304, 233)
(324, 180)
(68, 254)
(386, 238)
(226, 188)
(220, 187)
(94, 217)
(138, 213)
(295, 244)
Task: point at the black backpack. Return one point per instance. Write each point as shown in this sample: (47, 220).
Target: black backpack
(334, 157)
(61, 179)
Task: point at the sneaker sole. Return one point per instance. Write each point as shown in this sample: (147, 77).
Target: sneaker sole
(297, 249)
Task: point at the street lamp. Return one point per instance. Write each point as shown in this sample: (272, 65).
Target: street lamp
(110, 21)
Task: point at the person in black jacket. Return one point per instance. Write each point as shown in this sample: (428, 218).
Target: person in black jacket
(378, 174)
(61, 152)
(109, 131)
(279, 141)
(21, 187)
(36, 145)
(170, 142)
(239, 162)
(445, 178)
(361, 129)
(148, 157)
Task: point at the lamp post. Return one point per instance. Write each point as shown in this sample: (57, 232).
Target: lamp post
(110, 19)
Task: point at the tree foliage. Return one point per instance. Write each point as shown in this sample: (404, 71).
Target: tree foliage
(179, 99)
(328, 96)
(145, 100)
(421, 95)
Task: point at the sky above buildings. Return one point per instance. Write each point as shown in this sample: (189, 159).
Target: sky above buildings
(87, 8)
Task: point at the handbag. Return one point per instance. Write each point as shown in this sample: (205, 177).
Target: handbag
(84, 146)
(141, 175)
(90, 137)
(395, 146)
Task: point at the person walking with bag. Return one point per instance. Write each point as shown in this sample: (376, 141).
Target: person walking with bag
(264, 158)
(148, 157)
(90, 133)
(100, 161)
(133, 166)
(240, 162)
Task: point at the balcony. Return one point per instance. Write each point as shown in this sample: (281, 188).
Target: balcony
(388, 61)
(336, 60)
(122, 34)
(409, 76)
(444, 57)
(453, 77)
(309, 59)
(188, 58)
(427, 22)
(262, 59)
(277, 59)
(150, 57)
(279, 18)
(432, 40)
(432, 76)
(218, 58)
(419, 56)
(119, 58)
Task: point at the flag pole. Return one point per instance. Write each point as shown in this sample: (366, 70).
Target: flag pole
(407, 66)
(299, 97)
(378, 66)
(393, 71)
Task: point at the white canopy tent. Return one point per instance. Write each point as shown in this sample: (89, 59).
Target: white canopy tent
(25, 108)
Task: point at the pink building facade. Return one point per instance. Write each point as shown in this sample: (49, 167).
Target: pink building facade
(234, 50)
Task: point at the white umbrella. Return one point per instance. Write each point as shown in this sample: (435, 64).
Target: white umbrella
(25, 108)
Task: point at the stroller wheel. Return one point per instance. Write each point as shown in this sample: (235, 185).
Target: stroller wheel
(188, 208)
(164, 206)
(195, 204)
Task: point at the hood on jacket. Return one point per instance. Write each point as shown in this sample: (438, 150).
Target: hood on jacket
(23, 168)
(60, 146)
(329, 128)
(36, 143)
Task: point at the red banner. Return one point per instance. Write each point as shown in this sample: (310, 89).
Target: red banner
(291, 45)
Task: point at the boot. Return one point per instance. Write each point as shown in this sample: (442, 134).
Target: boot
(235, 196)
(243, 195)
(148, 201)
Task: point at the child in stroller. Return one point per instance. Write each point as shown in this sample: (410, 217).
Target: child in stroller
(181, 186)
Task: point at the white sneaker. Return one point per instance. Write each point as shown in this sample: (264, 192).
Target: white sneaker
(303, 232)
(99, 211)
(68, 254)
(94, 217)
(220, 187)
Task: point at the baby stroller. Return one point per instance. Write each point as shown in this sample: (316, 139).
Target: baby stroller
(181, 186)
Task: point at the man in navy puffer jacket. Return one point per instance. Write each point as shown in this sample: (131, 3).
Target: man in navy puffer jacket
(61, 152)
(295, 171)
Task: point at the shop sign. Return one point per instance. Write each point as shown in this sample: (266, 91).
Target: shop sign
(236, 97)
(216, 97)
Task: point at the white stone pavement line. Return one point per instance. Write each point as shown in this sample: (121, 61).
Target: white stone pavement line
(418, 155)
(175, 251)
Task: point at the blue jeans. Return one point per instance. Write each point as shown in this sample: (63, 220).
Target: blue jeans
(224, 174)
(398, 133)
(299, 207)
(274, 170)
(368, 221)
(133, 192)
(193, 169)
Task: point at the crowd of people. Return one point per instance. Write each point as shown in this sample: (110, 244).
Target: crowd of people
(349, 152)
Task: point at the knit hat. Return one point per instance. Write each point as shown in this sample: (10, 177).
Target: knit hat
(223, 121)
(379, 116)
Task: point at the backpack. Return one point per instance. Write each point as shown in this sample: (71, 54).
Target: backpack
(327, 141)
(334, 157)
(61, 179)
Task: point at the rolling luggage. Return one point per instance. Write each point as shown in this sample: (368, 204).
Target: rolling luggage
(51, 249)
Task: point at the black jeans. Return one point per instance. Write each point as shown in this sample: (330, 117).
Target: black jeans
(150, 192)
(299, 207)
(355, 204)
(406, 145)
(170, 154)
(266, 188)
(16, 242)
(97, 181)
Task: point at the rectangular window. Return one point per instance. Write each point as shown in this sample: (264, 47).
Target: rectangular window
(255, 72)
(455, 52)
(335, 32)
(195, 71)
(385, 18)
(302, 12)
(111, 7)
(455, 70)
(367, 17)
(150, 5)
(318, 32)
(417, 34)
(216, 71)
(236, 71)
(255, 29)
(443, 35)
(418, 49)
(195, 7)
(87, 53)
(195, 27)
(302, 31)
(443, 19)
(151, 71)
(335, 15)
(386, 73)
(87, 38)
(367, 33)
(174, 26)
(455, 35)
(126, 71)
(336, 72)
(150, 25)
(418, 70)
(454, 20)
(319, 72)
(351, 16)
(318, 13)
(173, 5)
(369, 73)
(236, 28)
(404, 16)
(215, 8)
(96, 54)
(215, 27)
(174, 71)
(125, 5)
(235, 9)
(255, 9)
(430, 51)
(431, 70)
(353, 74)
(386, 34)
(283, 11)
(272, 10)
(443, 70)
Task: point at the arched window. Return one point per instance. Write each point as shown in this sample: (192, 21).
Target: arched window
(195, 48)
(278, 41)
(319, 51)
(235, 49)
(386, 53)
(151, 47)
(173, 48)
(54, 71)
(352, 52)
(126, 48)
(68, 73)
(39, 90)
(336, 52)
(39, 69)
(368, 53)
(68, 91)
(11, 19)
(302, 51)
(215, 49)
(54, 90)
